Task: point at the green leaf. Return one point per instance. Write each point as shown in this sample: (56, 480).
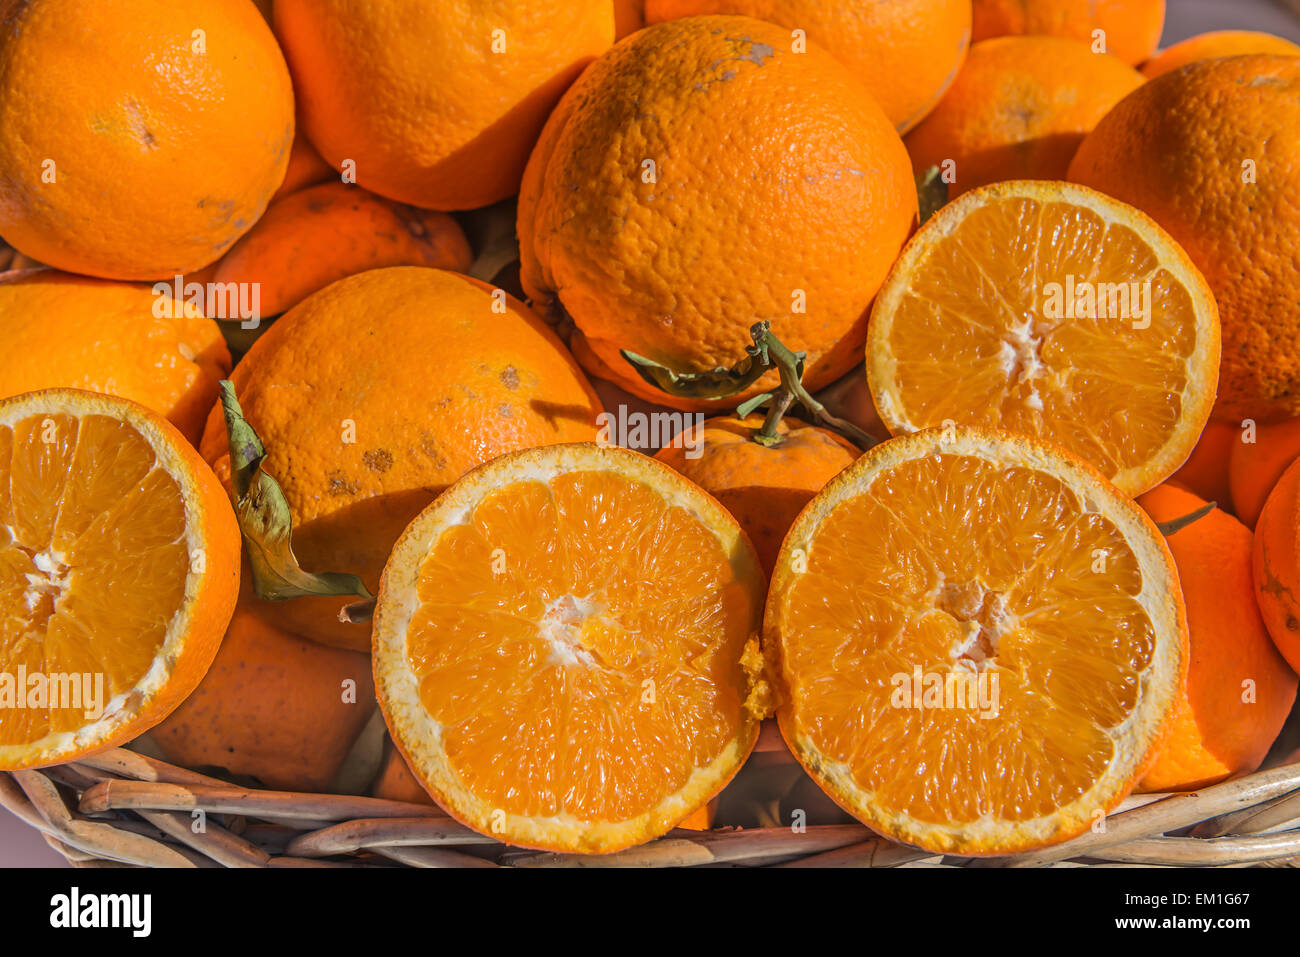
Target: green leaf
(719, 383)
(265, 520)
(931, 192)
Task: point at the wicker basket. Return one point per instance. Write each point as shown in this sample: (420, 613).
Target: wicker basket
(121, 808)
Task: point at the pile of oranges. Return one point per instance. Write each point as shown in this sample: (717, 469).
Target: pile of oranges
(322, 315)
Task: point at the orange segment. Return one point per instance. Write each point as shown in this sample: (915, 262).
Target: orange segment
(1054, 311)
(119, 565)
(1007, 650)
(566, 648)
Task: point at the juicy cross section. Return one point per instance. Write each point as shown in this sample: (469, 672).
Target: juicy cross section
(1104, 387)
(576, 639)
(85, 511)
(1045, 599)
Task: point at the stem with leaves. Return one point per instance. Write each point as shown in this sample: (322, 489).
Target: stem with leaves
(766, 354)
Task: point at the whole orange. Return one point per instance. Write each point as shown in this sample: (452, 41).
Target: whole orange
(375, 394)
(1239, 689)
(1254, 467)
(1211, 152)
(1019, 109)
(906, 52)
(1220, 43)
(323, 233)
(629, 17)
(306, 168)
(1206, 470)
(436, 105)
(138, 139)
(1277, 564)
(764, 487)
(81, 333)
(701, 176)
(1130, 29)
(274, 707)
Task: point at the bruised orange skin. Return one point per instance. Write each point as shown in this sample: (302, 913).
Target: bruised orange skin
(324, 233)
(764, 488)
(81, 333)
(778, 219)
(273, 707)
(1277, 564)
(1131, 28)
(1239, 689)
(437, 105)
(1255, 467)
(906, 52)
(1206, 470)
(1019, 109)
(132, 147)
(1219, 43)
(353, 362)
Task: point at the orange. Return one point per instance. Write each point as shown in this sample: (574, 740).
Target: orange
(765, 488)
(1255, 466)
(629, 17)
(1276, 564)
(138, 139)
(1220, 43)
(1206, 470)
(395, 782)
(375, 394)
(566, 648)
(1002, 660)
(1223, 181)
(1239, 690)
(1053, 311)
(306, 168)
(118, 573)
(80, 333)
(436, 105)
(906, 52)
(324, 233)
(1018, 109)
(274, 707)
(1130, 29)
(658, 234)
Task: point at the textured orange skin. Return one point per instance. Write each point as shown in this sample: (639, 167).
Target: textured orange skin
(414, 94)
(163, 156)
(217, 592)
(906, 52)
(1214, 733)
(1206, 470)
(1277, 564)
(271, 707)
(435, 383)
(764, 488)
(679, 269)
(324, 233)
(1255, 467)
(1219, 43)
(1132, 27)
(306, 168)
(101, 336)
(1019, 109)
(1175, 149)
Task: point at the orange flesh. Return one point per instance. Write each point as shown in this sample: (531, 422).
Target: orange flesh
(537, 665)
(94, 560)
(981, 292)
(1068, 644)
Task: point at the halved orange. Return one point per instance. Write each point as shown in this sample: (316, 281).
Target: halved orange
(566, 648)
(980, 641)
(1055, 311)
(119, 569)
